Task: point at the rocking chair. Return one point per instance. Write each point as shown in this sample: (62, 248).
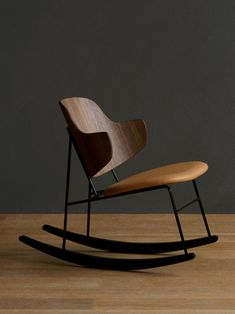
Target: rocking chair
(101, 145)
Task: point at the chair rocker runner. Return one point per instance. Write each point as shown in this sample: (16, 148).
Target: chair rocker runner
(101, 145)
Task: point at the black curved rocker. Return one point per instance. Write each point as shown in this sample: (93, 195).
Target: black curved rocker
(92, 261)
(102, 145)
(128, 247)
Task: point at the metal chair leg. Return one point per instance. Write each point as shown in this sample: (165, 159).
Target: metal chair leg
(201, 208)
(67, 192)
(88, 210)
(177, 217)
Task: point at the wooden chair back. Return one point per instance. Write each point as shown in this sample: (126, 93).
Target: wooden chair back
(102, 144)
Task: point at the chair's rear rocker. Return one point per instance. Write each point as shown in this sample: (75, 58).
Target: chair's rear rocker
(114, 245)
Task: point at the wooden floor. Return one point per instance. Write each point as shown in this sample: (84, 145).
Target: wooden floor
(32, 282)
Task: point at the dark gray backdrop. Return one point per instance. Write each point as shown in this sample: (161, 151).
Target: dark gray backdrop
(166, 61)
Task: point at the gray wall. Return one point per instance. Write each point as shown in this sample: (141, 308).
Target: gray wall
(166, 61)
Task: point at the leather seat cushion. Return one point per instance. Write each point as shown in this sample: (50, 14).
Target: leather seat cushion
(173, 173)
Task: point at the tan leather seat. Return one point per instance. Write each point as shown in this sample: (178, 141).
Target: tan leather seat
(173, 173)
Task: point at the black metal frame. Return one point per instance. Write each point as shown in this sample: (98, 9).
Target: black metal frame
(94, 195)
(119, 246)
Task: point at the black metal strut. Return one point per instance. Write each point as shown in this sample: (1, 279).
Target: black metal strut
(67, 190)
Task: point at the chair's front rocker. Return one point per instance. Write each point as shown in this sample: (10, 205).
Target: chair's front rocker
(120, 246)
(98, 262)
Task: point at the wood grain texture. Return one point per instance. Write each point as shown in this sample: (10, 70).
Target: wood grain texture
(118, 142)
(32, 282)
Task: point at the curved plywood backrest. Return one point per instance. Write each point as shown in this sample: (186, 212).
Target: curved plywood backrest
(102, 143)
